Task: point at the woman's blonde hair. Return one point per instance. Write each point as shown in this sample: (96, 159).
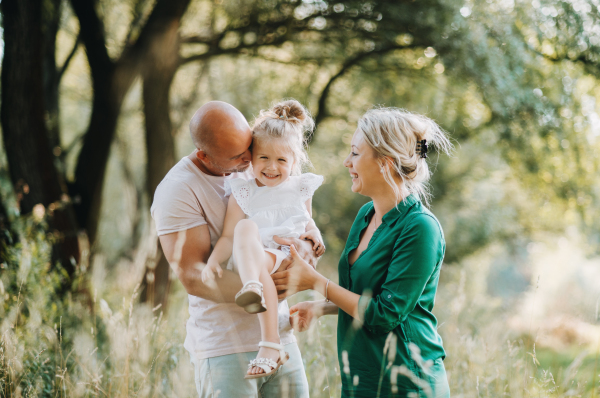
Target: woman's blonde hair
(394, 134)
(288, 121)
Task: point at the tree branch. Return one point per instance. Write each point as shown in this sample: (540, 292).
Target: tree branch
(65, 65)
(322, 106)
(92, 34)
(223, 51)
(582, 59)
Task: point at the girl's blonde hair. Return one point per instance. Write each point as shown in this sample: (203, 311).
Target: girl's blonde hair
(393, 134)
(288, 121)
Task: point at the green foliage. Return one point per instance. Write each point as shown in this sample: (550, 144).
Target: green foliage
(29, 304)
(55, 344)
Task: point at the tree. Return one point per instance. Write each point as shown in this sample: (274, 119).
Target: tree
(374, 39)
(31, 161)
(111, 81)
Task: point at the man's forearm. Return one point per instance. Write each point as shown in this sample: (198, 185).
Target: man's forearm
(221, 290)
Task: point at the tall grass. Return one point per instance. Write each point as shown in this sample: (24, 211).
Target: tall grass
(56, 345)
(110, 345)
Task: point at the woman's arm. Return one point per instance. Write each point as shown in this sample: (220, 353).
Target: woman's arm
(417, 253)
(415, 257)
(301, 276)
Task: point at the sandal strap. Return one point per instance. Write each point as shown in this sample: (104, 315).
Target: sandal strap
(265, 364)
(253, 284)
(268, 344)
(275, 346)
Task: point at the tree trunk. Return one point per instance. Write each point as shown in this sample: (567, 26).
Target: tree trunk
(110, 84)
(51, 13)
(6, 232)
(28, 149)
(158, 73)
(111, 81)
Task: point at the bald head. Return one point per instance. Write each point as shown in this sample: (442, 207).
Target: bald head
(215, 123)
(222, 136)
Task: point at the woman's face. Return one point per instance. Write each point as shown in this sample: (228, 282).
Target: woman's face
(364, 167)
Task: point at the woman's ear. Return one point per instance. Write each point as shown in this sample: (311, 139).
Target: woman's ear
(386, 164)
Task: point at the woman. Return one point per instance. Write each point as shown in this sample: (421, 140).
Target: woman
(389, 270)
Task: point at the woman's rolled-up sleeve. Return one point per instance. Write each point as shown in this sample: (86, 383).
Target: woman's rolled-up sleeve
(416, 254)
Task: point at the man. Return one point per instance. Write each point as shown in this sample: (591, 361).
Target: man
(189, 210)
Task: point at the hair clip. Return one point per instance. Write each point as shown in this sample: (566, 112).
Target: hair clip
(282, 117)
(422, 148)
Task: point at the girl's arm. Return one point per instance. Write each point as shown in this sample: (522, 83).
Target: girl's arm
(312, 232)
(311, 225)
(224, 247)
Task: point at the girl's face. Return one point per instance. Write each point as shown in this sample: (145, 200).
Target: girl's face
(364, 167)
(272, 162)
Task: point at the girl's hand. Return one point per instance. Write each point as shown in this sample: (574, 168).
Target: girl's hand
(303, 315)
(208, 273)
(315, 236)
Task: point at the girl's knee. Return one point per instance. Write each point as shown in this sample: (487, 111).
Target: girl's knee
(245, 228)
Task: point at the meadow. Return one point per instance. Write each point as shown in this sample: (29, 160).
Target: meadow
(535, 340)
(96, 98)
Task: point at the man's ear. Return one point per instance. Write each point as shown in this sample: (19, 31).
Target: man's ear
(201, 155)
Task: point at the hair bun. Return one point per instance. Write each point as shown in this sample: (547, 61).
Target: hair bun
(290, 109)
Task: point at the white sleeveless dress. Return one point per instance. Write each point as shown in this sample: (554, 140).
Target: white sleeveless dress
(277, 211)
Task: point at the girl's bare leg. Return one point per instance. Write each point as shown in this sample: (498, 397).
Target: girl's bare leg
(256, 264)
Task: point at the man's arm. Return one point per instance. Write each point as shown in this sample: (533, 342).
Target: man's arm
(187, 253)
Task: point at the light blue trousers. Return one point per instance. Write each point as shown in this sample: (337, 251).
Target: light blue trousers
(223, 377)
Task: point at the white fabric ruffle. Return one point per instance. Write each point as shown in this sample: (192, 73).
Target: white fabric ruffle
(278, 211)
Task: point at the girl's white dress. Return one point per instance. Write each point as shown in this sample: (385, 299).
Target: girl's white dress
(278, 211)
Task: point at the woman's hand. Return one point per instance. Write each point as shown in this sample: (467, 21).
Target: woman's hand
(302, 315)
(298, 276)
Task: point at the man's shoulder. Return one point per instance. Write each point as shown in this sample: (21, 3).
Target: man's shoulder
(177, 184)
(182, 171)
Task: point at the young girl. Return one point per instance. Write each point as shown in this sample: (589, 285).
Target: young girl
(276, 203)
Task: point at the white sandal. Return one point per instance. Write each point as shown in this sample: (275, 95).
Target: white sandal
(266, 364)
(250, 299)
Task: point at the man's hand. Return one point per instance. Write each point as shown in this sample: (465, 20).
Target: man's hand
(303, 315)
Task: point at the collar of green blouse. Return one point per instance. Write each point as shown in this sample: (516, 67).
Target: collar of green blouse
(396, 213)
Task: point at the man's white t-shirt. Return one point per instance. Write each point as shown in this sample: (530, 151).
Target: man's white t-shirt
(187, 198)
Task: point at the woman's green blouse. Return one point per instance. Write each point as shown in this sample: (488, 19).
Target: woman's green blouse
(397, 278)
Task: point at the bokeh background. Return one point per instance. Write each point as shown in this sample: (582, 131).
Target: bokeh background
(95, 101)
